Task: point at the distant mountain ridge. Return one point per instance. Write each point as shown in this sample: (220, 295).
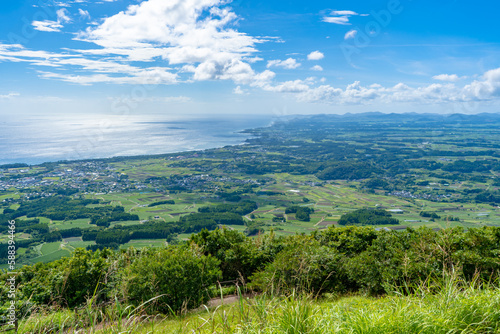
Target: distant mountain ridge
(399, 118)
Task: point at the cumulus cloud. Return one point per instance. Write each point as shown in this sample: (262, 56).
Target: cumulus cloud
(188, 31)
(315, 55)
(356, 93)
(341, 17)
(485, 89)
(447, 77)
(350, 34)
(194, 32)
(194, 37)
(166, 42)
(288, 64)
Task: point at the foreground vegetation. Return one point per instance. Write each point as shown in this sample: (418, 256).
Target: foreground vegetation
(453, 308)
(105, 286)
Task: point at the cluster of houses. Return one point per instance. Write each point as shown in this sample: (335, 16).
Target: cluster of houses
(100, 177)
(408, 194)
(78, 176)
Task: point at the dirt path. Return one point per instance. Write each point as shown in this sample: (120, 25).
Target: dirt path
(214, 302)
(322, 219)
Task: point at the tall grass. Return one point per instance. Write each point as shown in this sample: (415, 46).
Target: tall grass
(452, 307)
(112, 318)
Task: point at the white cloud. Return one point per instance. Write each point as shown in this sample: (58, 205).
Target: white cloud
(144, 77)
(191, 28)
(59, 4)
(263, 79)
(351, 34)
(196, 40)
(49, 26)
(343, 13)
(168, 99)
(486, 89)
(446, 77)
(62, 16)
(17, 53)
(197, 33)
(492, 75)
(315, 55)
(239, 91)
(289, 63)
(190, 36)
(253, 60)
(8, 96)
(84, 14)
(68, 3)
(107, 70)
(296, 86)
(341, 17)
(53, 26)
(344, 20)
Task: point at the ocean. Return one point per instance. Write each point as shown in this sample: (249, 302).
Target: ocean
(37, 139)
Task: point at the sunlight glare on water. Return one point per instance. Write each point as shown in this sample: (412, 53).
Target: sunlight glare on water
(52, 138)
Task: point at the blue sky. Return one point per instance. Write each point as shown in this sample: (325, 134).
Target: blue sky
(269, 57)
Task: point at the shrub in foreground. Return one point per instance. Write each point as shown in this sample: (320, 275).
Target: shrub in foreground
(177, 278)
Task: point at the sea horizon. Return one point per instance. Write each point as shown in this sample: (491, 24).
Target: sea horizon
(54, 138)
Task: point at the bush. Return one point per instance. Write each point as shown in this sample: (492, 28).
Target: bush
(349, 240)
(396, 259)
(305, 267)
(68, 281)
(239, 256)
(83, 276)
(178, 277)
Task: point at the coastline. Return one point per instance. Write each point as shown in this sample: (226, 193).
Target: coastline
(175, 140)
